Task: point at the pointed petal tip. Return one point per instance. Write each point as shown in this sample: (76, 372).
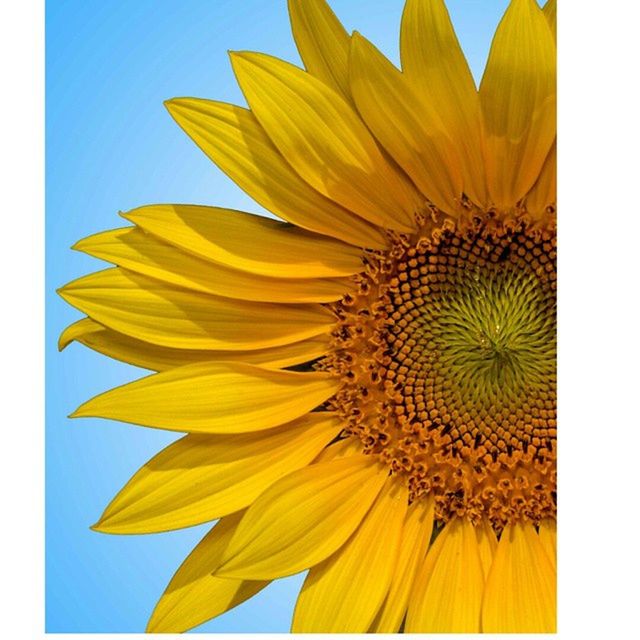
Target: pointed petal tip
(108, 524)
(357, 42)
(79, 245)
(103, 526)
(177, 103)
(81, 411)
(97, 527)
(170, 105)
(238, 55)
(63, 341)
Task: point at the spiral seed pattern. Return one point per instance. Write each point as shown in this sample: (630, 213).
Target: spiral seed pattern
(448, 356)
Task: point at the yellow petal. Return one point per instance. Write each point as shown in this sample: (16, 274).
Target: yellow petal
(141, 252)
(517, 95)
(436, 67)
(322, 42)
(232, 138)
(543, 194)
(410, 131)
(303, 518)
(343, 593)
(202, 477)
(487, 545)
(345, 447)
(153, 311)
(520, 595)
(325, 141)
(194, 596)
(209, 397)
(151, 356)
(416, 535)
(247, 242)
(550, 10)
(447, 594)
(547, 535)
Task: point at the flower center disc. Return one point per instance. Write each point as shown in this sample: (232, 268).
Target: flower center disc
(448, 357)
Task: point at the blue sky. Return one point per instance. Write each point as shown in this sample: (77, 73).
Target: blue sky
(111, 146)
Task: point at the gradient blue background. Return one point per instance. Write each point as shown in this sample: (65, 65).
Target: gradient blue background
(110, 146)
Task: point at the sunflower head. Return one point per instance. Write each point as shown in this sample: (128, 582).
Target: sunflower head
(368, 389)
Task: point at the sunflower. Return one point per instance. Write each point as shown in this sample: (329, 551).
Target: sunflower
(367, 387)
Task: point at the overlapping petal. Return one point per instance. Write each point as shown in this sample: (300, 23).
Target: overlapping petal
(322, 42)
(435, 66)
(233, 138)
(517, 94)
(211, 397)
(447, 594)
(548, 537)
(323, 139)
(247, 242)
(487, 545)
(303, 518)
(542, 196)
(520, 595)
(550, 10)
(194, 596)
(154, 311)
(203, 477)
(409, 129)
(343, 593)
(416, 536)
(140, 252)
(158, 358)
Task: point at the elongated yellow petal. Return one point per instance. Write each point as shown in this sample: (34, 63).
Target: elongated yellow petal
(547, 534)
(345, 447)
(543, 195)
(322, 42)
(208, 397)
(447, 594)
(343, 593)
(487, 545)
(202, 477)
(247, 242)
(151, 356)
(194, 596)
(303, 518)
(520, 595)
(416, 535)
(153, 311)
(141, 252)
(436, 67)
(517, 94)
(324, 140)
(409, 130)
(233, 139)
(550, 11)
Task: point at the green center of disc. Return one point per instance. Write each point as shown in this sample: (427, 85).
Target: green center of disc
(493, 329)
(474, 328)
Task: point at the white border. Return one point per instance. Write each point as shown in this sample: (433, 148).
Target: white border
(22, 314)
(599, 318)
